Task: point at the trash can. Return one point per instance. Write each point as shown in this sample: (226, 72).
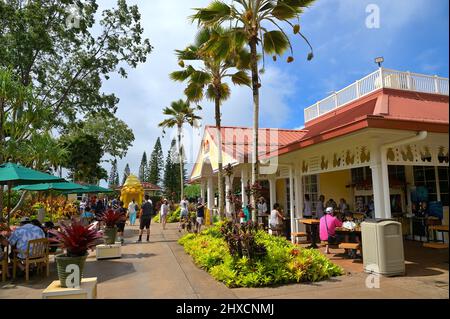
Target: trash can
(382, 244)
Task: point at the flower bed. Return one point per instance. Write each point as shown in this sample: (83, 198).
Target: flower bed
(282, 263)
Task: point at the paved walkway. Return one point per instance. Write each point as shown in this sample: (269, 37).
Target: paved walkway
(161, 270)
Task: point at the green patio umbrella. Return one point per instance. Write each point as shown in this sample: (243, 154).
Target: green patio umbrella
(12, 174)
(15, 174)
(90, 189)
(60, 186)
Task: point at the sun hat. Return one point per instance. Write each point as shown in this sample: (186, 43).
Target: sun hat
(25, 220)
(329, 210)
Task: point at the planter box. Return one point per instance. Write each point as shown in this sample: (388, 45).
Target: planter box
(108, 251)
(87, 290)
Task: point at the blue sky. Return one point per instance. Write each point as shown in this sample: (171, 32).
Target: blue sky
(413, 36)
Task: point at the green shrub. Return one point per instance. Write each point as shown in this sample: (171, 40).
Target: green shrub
(283, 263)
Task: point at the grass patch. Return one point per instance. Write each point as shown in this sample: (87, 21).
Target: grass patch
(282, 264)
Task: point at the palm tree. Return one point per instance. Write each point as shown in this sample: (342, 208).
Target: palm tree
(208, 81)
(250, 20)
(179, 113)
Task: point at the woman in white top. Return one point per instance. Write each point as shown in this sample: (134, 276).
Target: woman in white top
(307, 207)
(276, 219)
(262, 209)
(163, 213)
(184, 213)
(320, 207)
(132, 212)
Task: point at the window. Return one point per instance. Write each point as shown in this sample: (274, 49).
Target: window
(425, 176)
(361, 174)
(311, 188)
(443, 184)
(397, 172)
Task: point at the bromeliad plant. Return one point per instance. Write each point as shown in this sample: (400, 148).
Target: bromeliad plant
(76, 239)
(111, 218)
(240, 239)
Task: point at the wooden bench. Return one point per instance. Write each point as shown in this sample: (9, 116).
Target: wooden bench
(332, 246)
(295, 235)
(436, 245)
(356, 246)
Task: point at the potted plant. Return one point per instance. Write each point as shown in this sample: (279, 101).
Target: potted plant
(111, 218)
(76, 239)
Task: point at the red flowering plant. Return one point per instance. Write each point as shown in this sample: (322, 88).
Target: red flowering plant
(75, 238)
(111, 218)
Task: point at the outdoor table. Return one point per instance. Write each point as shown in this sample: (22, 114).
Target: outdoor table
(347, 232)
(314, 223)
(440, 229)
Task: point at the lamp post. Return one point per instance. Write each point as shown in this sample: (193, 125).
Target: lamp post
(379, 61)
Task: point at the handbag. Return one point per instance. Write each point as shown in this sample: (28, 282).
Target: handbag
(331, 239)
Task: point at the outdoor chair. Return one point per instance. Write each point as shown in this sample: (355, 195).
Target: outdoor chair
(37, 253)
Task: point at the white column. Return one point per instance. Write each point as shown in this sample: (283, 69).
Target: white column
(228, 188)
(299, 197)
(272, 192)
(203, 190)
(292, 199)
(385, 181)
(438, 187)
(244, 179)
(210, 200)
(409, 176)
(379, 177)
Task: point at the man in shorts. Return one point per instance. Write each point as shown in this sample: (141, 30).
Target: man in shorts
(200, 214)
(145, 218)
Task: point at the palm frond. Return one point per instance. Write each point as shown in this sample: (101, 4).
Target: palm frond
(275, 43)
(241, 78)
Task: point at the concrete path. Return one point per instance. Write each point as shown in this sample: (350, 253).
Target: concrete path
(161, 270)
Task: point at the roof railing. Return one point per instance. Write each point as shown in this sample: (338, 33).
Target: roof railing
(381, 78)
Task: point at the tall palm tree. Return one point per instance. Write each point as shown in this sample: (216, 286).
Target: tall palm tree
(250, 21)
(208, 80)
(179, 113)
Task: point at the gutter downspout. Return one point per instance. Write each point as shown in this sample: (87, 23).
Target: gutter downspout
(420, 136)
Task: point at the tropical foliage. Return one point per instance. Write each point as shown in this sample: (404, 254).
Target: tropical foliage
(258, 24)
(283, 262)
(76, 238)
(209, 80)
(179, 113)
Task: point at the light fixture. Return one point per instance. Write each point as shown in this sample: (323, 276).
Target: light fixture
(379, 60)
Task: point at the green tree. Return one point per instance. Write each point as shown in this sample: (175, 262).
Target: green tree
(156, 164)
(208, 80)
(83, 159)
(180, 113)
(113, 180)
(251, 21)
(192, 191)
(169, 179)
(126, 173)
(143, 167)
(64, 67)
(114, 134)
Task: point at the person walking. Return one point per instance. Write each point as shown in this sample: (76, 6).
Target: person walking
(200, 215)
(276, 220)
(132, 211)
(184, 213)
(146, 214)
(164, 211)
(121, 225)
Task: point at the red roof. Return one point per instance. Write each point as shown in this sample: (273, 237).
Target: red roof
(385, 108)
(237, 141)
